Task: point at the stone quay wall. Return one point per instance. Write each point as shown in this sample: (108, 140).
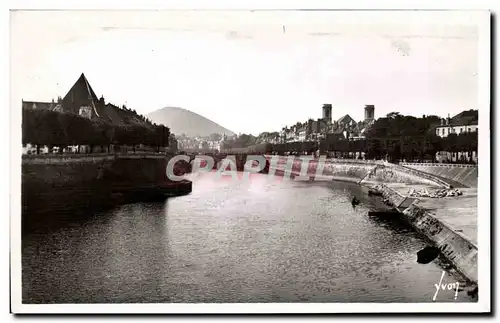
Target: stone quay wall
(459, 250)
(463, 174)
(359, 171)
(60, 183)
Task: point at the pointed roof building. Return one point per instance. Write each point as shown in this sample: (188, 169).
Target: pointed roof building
(79, 96)
(346, 120)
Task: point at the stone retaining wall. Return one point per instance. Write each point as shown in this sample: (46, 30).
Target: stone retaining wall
(393, 196)
(363, 170)
(54, 183)
(463, 174)
(459, 250)
(422, 174)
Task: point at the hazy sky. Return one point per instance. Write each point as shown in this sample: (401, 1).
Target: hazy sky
(251, 72)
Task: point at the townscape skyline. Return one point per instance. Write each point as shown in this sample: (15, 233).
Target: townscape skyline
(297, 157)
(249, 76)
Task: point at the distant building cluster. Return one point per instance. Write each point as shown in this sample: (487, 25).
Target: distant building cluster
(345, 127)
(203, 143)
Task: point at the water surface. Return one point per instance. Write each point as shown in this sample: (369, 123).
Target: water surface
(258, 241)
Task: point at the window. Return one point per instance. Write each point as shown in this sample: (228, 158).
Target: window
(461, 130)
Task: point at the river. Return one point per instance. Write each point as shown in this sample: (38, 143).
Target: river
(263, 240)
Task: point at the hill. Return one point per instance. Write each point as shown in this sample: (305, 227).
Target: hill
(184, 121)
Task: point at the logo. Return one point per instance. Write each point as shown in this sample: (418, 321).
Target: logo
(302, 168)
(443, 287)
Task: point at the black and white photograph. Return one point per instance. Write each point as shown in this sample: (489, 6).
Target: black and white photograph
(282, 161)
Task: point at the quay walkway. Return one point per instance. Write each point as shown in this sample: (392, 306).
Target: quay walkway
(459, 213)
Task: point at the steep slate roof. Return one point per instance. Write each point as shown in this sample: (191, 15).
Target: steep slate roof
(346, 119)
(467, 117)
(81, 94)
(112, 113)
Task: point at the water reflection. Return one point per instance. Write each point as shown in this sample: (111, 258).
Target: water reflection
(260, 241)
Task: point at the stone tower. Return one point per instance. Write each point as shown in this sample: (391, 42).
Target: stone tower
(327, 113)
(369, 113)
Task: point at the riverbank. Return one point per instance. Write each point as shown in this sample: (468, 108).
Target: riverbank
(56, 185)
(459, 175)
(449, 223)
(353, 170)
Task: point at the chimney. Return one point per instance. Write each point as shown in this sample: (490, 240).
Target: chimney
(442, 121)
(447, 121)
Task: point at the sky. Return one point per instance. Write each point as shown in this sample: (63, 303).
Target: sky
(252, 71)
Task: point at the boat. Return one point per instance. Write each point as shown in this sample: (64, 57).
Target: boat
(355, 201)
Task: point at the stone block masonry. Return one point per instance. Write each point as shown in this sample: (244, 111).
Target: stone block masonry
(56, 184)
(359, 171)
(465, 175)
(456, 247)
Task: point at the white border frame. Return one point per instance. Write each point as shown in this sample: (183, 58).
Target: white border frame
(484, 211)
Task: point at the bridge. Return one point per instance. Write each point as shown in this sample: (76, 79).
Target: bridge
(240, 160)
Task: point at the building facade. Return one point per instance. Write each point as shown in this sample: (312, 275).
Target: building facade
(466, 121)
(313, 130)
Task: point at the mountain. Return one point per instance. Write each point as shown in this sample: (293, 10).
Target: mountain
(184, 121)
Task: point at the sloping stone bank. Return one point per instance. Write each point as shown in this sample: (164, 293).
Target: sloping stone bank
(357, 171)
(463, 174)
(391, 195)
(459, 250)
(395, 174)
(455, 247)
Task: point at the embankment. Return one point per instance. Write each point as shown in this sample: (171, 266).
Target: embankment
(59, 183)
(357, 171)
(458, 249)
(465, 175)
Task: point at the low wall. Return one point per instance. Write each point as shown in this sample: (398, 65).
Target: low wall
(463, 174)
(461, 252)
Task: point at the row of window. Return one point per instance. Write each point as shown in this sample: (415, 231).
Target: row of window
(452, 130)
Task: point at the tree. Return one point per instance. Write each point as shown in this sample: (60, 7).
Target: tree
(173, 144)
(373, 149)
(215, 137)
(393, 115)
